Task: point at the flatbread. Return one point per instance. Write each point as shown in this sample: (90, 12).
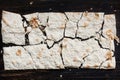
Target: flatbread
(59, 40)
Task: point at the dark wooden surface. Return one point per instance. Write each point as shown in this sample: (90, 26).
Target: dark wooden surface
(24, 7)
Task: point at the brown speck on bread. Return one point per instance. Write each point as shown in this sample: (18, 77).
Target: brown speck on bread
(75, 59)
(85, 24)
(87, 50)
(65, 46)
(59, 50)
(108, 65)
(65, 39)
(18, 53)
(39, 55)
(108, 17)
(109, 55)
(62, 27)
(30, 62)
(117, 39)
(96, 15)
(60, 66)
(87, 66)
(88, 19)
(3, 30)
(13, 62)
(5, 22)
(37, 40)
(85, 13)
(109, 33)
(34, 23)
(96, 65)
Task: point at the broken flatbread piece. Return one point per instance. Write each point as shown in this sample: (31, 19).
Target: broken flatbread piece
(17, 58)
(89, 24)
(108, 32)
(45, 58)
(85, 54)
(12, 28)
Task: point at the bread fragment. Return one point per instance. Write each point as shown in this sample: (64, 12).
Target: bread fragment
(12, 22)
(74, 51)
(13, 38)
(74, 16)
(36, 36)
(56, 25)
(71, 28)
(109, 32)
(89, 24)
(17, 58)
(85, 54)
(35, 20)
(95, 59)
(45, 58)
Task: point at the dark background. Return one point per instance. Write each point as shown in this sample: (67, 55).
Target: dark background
(24, 7)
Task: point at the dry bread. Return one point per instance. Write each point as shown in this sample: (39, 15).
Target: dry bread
(56, 40)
